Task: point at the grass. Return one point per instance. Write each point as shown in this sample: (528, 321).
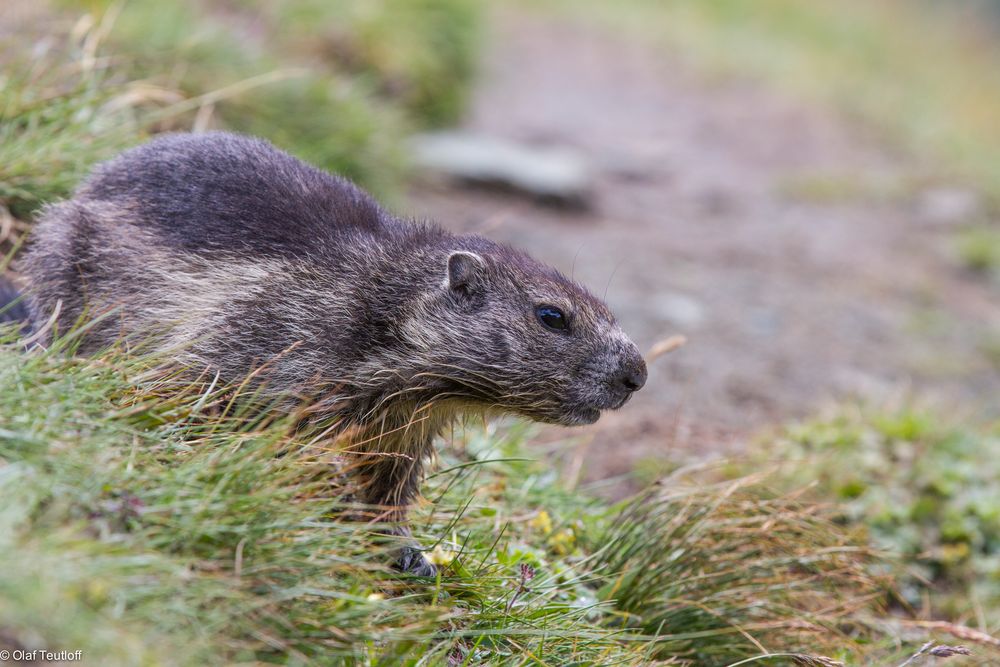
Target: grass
(147, 521)
(979, 250)
(62, 110)
(923, 489)
(419, 54)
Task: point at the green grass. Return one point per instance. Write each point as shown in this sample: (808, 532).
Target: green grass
(924, 490)
(419, 54)
(146, 521)
(979, 250)
(61, 111)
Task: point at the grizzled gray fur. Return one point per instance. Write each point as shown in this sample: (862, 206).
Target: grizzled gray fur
(232, 255)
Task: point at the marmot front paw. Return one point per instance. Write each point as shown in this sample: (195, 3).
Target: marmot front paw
(412, 561)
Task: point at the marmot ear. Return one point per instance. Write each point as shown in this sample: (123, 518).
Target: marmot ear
(464, 271)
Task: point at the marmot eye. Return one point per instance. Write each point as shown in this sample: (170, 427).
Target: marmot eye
(552, 318)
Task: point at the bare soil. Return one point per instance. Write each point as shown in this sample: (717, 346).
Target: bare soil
(772, 233)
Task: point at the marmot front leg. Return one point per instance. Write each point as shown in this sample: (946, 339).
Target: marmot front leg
(390, 482)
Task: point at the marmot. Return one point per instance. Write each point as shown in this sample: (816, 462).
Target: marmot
(233, 255)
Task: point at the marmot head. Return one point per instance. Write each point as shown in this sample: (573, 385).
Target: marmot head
(517, 336)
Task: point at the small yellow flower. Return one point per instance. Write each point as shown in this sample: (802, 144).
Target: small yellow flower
(375, 597)
(542, 522)
(955, 553)
(563, 541)
(441, 556)
(96, 590)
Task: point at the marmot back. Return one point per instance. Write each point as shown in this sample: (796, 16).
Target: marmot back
(226, 253)
(217, 192)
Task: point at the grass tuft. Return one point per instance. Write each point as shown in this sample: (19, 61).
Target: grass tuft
(923, 489)
(719, 571)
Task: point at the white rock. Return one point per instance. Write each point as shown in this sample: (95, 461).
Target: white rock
(557, 174)
(946, 206)
(679, 310)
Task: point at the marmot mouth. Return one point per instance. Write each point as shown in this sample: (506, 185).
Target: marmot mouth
(589, 415)
(580, 417)
(619, 404)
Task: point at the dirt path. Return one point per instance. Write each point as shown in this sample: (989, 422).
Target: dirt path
(743, 219)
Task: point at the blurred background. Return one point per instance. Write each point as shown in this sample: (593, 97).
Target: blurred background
(807, 192)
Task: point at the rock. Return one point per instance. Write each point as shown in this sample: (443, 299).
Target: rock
(678, 309)
(556, 175)
(948, 206)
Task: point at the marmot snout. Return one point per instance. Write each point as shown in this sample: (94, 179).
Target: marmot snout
(233, 255)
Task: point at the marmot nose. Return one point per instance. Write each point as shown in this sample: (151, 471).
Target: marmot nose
(633, 379)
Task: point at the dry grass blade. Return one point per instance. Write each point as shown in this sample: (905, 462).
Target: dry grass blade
(665, 346)
(958, 631)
